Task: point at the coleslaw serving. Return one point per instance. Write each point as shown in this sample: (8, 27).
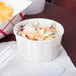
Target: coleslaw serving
(34, 31)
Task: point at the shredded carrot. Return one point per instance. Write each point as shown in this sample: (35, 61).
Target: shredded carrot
(40, 27)
(31, 33)
(32, 38)
(35, 39)
(44, 38)
(47, 29)
(53, 30)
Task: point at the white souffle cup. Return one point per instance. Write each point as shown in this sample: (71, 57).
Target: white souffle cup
(39, 51)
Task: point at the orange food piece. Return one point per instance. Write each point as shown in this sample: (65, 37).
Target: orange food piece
(47, 29)
(54, 30)
(44, 38)
(32, 38)
(31, 33)
(2, 3)
(40, 27)
(5, 12)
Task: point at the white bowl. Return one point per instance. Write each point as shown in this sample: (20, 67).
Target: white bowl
(20, 9)
(38, 51)
(36, 7)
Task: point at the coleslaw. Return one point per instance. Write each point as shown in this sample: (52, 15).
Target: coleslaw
(34, 31)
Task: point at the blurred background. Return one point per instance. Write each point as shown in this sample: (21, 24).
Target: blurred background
(67, 4)
(48, 0)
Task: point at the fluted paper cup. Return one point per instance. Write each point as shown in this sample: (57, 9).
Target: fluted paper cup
(38, 51)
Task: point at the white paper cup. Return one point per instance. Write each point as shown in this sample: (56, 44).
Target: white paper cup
(38, 51)
(36, 7)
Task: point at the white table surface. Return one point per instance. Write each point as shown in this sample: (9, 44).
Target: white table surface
(62, 62)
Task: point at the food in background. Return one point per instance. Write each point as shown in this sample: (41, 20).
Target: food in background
(5, 11)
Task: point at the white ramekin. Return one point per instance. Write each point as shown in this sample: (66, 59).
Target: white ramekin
(39, 51)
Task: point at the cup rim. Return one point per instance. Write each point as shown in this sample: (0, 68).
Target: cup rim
(38, 19)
